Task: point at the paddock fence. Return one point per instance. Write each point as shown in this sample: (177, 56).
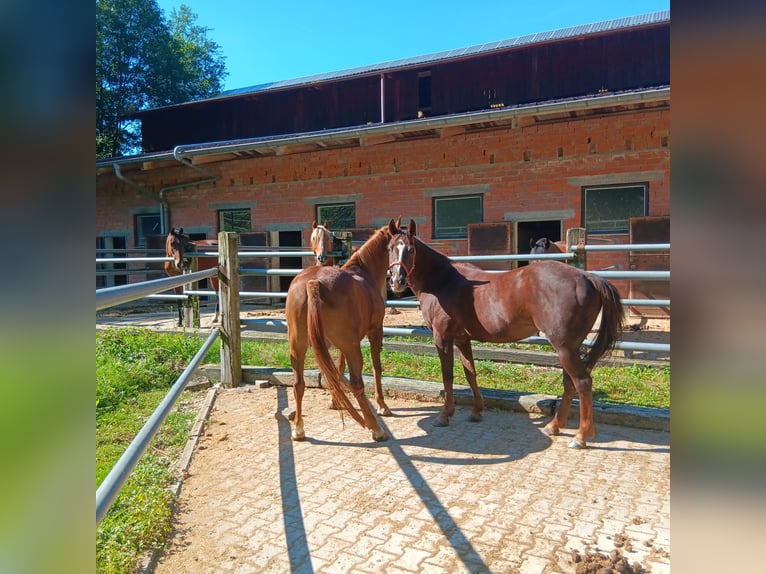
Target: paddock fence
(229, 272)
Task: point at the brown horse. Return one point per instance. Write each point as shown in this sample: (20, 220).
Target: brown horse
(322, 243)
(461, 302)
(340, 306)
(176, 246)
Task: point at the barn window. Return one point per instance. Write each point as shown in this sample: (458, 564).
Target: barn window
(236, 220)
(453, 214)
(147, 224)
(337, 215)
(607, 209)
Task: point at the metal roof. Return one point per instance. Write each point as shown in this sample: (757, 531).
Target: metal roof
(529, 39)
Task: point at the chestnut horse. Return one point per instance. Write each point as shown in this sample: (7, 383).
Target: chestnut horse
(322, 243)
(340, 306)
(461, 302)
(176, 246)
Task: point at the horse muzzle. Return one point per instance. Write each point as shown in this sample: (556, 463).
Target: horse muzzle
(398, 277)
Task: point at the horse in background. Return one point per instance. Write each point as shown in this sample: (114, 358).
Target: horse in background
(545, 245)
(177, 244)
(461, 302)
(339, 306)
(322, 243)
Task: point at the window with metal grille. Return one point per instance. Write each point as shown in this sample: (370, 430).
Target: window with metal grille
(146, 224)
(453, 214)
(607, 209)
(337, 215)
(236, 220)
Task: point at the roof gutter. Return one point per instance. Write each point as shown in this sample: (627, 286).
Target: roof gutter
(181, 152)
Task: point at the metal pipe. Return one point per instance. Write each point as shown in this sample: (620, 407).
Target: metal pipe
(279, 326)
(643, 275)
(625, 247)
(111, 296)
(164, 207)
(112, 484)
(518, 257)
(131, 259)
(382, 99)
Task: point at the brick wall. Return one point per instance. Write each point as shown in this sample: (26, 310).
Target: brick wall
(531, 167)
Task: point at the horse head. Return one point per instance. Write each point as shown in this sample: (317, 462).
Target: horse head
(401, 255)
(175, 247)
(321, 242)
(539, 246)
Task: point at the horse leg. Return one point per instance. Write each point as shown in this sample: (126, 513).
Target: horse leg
(376, 345)
(559, 421)
(446, 357)
(466, 357)
(580, 381)
(355, 364)
(298, 348)
(179, 306)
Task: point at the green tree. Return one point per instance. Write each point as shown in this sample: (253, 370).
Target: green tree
(145, 61)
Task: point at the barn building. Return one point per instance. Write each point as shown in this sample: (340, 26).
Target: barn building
(484, 147)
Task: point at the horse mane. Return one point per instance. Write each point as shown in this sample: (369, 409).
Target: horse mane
(440, 266)
(361, 257)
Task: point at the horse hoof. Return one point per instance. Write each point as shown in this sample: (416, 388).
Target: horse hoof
(549, 431)
(385, 412)
(298, 435)
(441, 422)
(576, 444)
(380, 437)
(475, 418)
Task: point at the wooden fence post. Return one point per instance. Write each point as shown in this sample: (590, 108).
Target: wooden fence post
(231, 340)
(577, 236)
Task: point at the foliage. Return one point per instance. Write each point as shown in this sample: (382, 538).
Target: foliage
(144, 61)
(134, 370)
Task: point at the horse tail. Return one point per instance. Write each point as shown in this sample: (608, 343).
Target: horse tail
(322, 354)
(612, 321)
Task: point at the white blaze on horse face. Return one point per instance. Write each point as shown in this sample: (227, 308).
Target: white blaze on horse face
(398, 279)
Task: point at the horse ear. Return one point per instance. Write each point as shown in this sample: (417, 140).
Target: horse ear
(412, 228)
(547, 242)
(393, 226)
(180, 231)
(314, 224)
(326, 225)
(532, 242)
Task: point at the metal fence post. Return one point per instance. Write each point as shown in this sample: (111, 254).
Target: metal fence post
(231, 339)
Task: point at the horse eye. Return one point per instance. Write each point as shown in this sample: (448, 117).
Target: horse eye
(411, 249)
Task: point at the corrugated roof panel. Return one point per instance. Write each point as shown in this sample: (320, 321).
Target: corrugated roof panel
(580, 30)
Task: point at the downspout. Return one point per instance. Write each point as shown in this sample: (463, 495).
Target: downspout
(164, 227)
(382, 99)
(164, 210)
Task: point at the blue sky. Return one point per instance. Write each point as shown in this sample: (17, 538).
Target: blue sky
(270, 41)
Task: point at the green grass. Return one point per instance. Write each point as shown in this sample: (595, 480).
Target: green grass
(633, 385)
(134, 370)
